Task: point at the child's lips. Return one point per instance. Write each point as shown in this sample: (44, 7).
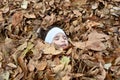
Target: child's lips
(63, 45)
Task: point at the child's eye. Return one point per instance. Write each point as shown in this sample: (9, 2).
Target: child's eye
(64, 37)
(56, 38)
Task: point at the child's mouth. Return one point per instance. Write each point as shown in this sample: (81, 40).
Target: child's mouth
(63, 45)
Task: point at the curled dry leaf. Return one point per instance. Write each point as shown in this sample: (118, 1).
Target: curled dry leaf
(17, 18)
(95, 45)
(78, 2)
(30, 15)
(5, 9)
(117, 61)
(91, 24)
(94, 24)
(12, 65)
(93, 71)
(85, 56)
(79, 44)
(1, 56)
(77, 74)
(116, 0)
(41, 65)
(1, 17)
(50, 49)
(58, 68)
(103, 73)
(66, 77)
(31, 65)
(4, 75)
(94, 35)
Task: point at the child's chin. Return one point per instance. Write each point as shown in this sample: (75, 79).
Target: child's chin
(64, 47)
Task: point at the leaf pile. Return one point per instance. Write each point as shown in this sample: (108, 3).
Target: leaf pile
(93, 28)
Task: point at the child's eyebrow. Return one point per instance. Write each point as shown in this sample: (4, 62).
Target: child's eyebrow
(56, 37)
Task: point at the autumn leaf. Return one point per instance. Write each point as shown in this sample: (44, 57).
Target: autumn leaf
(50, 49)
(1, 17)
(41, 65)
(17, 18)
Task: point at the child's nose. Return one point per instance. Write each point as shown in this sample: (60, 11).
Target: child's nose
(63, 40)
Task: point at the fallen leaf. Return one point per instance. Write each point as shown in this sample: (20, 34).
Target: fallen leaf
(30, 15)
(107, 66)
(24, 4)
(50, 49)
(58, 68)
(4, 76)
(79, 44)
(117, 60)
(66, 77)
(12, 65)
(103, 73)
(95, 45)
(17, 18)
(65, 60)
(1, 16)
(1, 56)
(94, 35)
(42, 65)
(31, 65)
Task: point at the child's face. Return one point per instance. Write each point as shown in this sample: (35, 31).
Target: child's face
(61, 40)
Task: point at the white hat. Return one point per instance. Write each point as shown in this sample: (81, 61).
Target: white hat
(51, 34)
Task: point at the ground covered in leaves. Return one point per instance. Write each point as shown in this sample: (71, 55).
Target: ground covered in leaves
(93, 28)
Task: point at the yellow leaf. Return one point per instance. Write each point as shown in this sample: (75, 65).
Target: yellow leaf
(65, 60)
(42, 65)
(50, 49)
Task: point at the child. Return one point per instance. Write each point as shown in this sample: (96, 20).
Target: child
(57, 36)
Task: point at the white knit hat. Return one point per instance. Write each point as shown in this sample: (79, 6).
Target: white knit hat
(51, 34)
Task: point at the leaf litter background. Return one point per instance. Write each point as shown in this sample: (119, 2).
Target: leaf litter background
(93, 28)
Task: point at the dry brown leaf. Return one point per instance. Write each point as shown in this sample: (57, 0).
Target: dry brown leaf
(42, 65)
(66, 77)
(93, 71)
(30, 15)
(77, 74)
(95, 45)
(80, 45)
(12, 65)
(85, 56)
(118, 73)
(39, 45)
(116, 0)
(92, 24)
(103, 73)
(1, 56)
(31, 65)
(50, 49)
(117, 60)
(17, 18)
(77, 13)
(5, 9)
(1, 16)
(78, 2)
(58, 68)
(19, 76)
(90, 63)
(94, 35)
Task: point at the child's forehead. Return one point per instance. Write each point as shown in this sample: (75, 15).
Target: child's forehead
(60, 34)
